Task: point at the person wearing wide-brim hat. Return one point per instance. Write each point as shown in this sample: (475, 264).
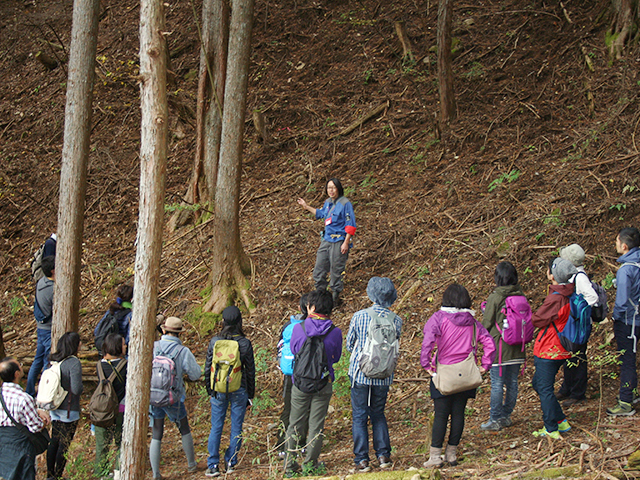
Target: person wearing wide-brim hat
(185, 363)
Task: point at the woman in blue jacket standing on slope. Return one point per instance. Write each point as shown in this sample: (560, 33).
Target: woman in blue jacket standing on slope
(339, 227)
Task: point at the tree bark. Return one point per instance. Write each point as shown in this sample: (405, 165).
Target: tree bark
(624, 25)
(445, 70)
(229, 262)
(153, 165)
(73, 174)
(211, 81)
(2, 352)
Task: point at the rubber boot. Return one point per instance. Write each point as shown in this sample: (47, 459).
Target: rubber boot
(450, 455)
(337, 301)
(435, 458)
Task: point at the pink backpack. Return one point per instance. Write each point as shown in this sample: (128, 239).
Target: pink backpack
(517, 328)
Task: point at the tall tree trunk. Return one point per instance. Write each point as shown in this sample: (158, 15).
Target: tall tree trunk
(445, 70)
(73, 174)
(624, 25)
(153, 168)
(213, 69)
(229, 262)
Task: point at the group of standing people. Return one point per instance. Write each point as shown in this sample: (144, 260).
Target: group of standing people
(451, 336)
(305, 409)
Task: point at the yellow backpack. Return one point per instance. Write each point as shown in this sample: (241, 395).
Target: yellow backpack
(226, 368)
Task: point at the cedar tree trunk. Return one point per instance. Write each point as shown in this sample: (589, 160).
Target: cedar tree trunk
(153, 166)
(229, 262)
(624, 25)
(73, 174)
(211, 81)
(445, 71)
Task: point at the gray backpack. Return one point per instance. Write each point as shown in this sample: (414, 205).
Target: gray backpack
(379, 356)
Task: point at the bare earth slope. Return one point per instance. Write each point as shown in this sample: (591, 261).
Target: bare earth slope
(543, 154)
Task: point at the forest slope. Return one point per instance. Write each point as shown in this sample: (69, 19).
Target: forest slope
(543, 154)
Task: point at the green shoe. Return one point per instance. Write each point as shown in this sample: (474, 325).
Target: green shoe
(564, 426)
(544, 433)
(622, 408)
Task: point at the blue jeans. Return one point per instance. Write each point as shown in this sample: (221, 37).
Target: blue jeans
(628, 372)
(175, 412)
(542, 383)
(503, 403)
(40, 360)
(219, 403)
(368, 402)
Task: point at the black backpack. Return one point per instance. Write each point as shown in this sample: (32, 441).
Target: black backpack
(108, 324)
(311, 367)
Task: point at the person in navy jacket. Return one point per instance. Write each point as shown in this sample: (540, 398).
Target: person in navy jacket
(339, 227)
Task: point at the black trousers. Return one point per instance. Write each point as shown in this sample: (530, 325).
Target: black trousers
(61, 435)
(449, 406)
(575, 377)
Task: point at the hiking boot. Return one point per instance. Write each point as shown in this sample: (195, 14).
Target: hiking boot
(505, 422)
(212, 472)
(435, 458)
(544, 433)
(491, 426)
(363, 466)
(561, 396)
(450, 455)
(292, 470)
(572, 401)
(564, 426)
(193, 468)
(337, 301)
(621, 409)
(384, 461)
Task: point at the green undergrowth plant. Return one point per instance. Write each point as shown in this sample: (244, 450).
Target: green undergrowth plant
(341, 384)
(510, 177)
(15, 305)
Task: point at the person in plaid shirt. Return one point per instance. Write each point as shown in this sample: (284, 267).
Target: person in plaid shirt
(17, 457)
(369, 395)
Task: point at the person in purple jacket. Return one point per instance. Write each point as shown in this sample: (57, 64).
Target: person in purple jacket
(312, 408)
(451, 330)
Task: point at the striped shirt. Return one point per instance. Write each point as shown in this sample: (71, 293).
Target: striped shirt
(357, 337)
(22, 407)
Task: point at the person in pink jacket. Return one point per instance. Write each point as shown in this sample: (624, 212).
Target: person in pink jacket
(451, 330)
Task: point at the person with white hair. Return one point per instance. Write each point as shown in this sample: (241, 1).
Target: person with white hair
(574, 386)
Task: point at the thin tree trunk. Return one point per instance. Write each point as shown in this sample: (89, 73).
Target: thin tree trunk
(445, 70)
(153, 165)
(211, 80)
(229, 262)
(73, 174)
(216, 62)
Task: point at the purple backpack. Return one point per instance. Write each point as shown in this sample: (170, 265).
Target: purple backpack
(517, 329)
